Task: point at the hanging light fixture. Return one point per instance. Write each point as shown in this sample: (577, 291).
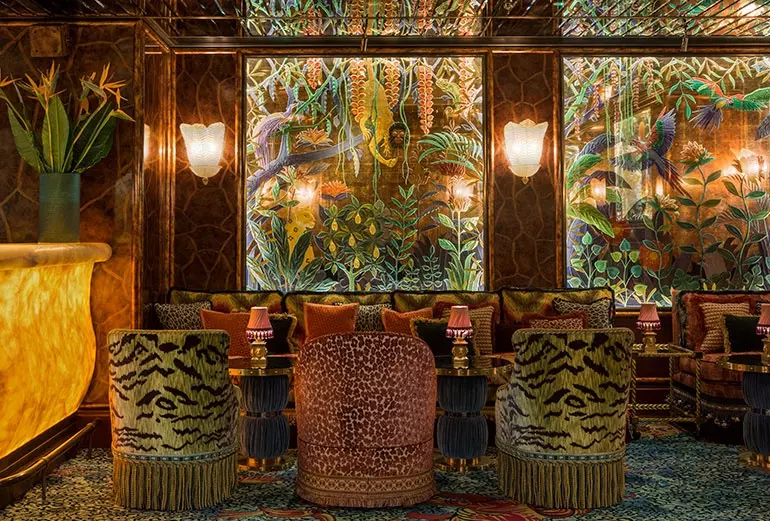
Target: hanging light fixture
(524, 147)
(204, 147)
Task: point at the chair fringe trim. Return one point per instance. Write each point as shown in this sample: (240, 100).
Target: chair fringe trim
(562, 484)
(173, 485)
(365, 492)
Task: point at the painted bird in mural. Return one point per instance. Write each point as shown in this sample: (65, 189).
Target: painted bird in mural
(709, 117)
(269, 125)
(650, 150)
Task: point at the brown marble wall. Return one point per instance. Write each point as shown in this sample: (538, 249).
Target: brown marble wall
(107, 190)
(526, 231)
(207, 217)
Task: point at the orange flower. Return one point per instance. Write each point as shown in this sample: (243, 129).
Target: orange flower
(334, 190)
(313, 137)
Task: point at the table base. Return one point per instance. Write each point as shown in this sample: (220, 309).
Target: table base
(755, 461)
(263, 464)
(463, 465)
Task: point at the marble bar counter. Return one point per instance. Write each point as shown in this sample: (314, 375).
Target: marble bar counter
(47, 343)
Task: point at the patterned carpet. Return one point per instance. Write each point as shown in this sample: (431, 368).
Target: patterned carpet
(671, 477)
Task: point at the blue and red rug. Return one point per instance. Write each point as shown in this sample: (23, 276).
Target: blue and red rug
(671, 477)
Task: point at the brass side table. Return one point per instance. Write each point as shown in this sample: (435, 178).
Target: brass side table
(756, 423)
(675, 414)
(264, 427)
(462, 432)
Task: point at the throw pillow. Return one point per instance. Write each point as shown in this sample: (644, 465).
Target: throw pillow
(235, 325)
(574, 320)
(713, 320)
(599, 311)
(483, 320)
(321, 319)
(741, 334)
(395, 322)
(433, 332)
(695, 322)
(369, 318)
(181, 316)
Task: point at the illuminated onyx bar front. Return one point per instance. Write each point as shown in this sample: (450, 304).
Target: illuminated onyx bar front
(47, 343)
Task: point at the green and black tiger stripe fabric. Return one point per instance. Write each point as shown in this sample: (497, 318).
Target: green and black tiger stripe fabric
(561, 420)
(174, 414)
(568, 391)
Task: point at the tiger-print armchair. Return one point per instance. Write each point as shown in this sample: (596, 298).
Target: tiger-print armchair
(174, 416)
(366, 405)
(561, 420)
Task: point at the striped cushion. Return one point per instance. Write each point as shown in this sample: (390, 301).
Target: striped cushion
(483, 320)
(713, 320)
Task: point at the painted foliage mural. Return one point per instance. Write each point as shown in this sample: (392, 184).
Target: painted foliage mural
(667, 183)
(365, 174)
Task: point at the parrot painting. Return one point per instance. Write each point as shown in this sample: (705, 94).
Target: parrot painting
(709, 117)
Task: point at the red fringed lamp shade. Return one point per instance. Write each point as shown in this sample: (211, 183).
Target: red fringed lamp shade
(763, 326)
(648, 318)
(259, 327)
(459, 325)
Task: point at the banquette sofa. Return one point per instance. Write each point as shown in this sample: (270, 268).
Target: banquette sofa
(512, 308)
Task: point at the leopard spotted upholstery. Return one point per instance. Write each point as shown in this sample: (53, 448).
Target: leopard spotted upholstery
(366, 405)
(174, 415)
(561, 420)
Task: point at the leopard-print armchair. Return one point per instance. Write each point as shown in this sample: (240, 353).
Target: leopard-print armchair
(174, 416)
(561, 420)
(366, 405)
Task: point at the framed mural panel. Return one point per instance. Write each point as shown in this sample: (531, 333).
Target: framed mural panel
(666, 177)
(365, 174)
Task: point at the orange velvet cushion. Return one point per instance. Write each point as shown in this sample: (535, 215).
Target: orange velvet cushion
(396, 322)
(327, 320)
(235, 324)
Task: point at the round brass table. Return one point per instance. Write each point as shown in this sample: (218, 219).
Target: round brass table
(264, 427)
(462, 432)
(756, 392)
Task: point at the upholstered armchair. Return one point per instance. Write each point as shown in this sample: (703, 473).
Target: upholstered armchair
(174, 418)
(561, 420)
(366, 404)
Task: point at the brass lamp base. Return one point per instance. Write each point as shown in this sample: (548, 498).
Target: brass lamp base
(460, 352)
(755, 461)
(463, 465)
(649, 342)
(264, 464)
(259, 350)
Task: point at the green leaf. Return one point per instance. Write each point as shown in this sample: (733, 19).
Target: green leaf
(650, 245)
(712, 247)
(634, 255)
(731, 188)
(625, 245)
(694, 181)
(636, 271)
(574, 282)
(711, 203)
(578, 169)
(613, 272)
(640, 289)
(601, 266)
(446, 221)
(686, 225)
(276, 190)
(25, 142)
(612, 195)
(713, 176)
(596, 249)
(447, 245)
(616, 256)
(688, 249)
(55, 135)
(760, 215)
(708, 222)
(734, 230)
(587, 239)
(590, 215)
(756, 194)
(685, 201)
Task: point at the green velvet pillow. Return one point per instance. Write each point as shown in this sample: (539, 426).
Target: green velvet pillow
(741, 334)
(433, 332)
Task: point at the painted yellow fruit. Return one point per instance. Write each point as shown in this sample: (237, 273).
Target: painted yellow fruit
(376, 253)
(351, 241)
(358, 218)
(372, 229)
(356, 264)
(335, 226)
(332, 247)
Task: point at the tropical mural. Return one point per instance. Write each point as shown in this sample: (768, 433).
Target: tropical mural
(371, 17)
(666, 175)
(365, 174)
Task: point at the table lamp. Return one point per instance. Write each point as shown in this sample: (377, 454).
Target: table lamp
(763, 329)
(458, 329)
(649, 323)
(258, 331)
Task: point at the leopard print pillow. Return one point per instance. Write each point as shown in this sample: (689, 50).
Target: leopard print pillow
(599, 311)
(181, 316)
(369, 318)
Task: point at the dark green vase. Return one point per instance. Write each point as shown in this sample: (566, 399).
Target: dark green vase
(59, 211)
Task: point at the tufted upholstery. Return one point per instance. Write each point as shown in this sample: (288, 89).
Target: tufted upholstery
(561, 421)
(174, 416)
(366, 405)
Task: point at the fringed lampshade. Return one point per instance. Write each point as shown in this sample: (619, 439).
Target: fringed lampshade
(648, 322)
(648, 318)
(259, 327)
(459, 325)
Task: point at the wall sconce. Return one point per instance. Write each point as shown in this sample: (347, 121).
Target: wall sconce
(305, 194)
(598, 191)
(524, 147)
(204, 147)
